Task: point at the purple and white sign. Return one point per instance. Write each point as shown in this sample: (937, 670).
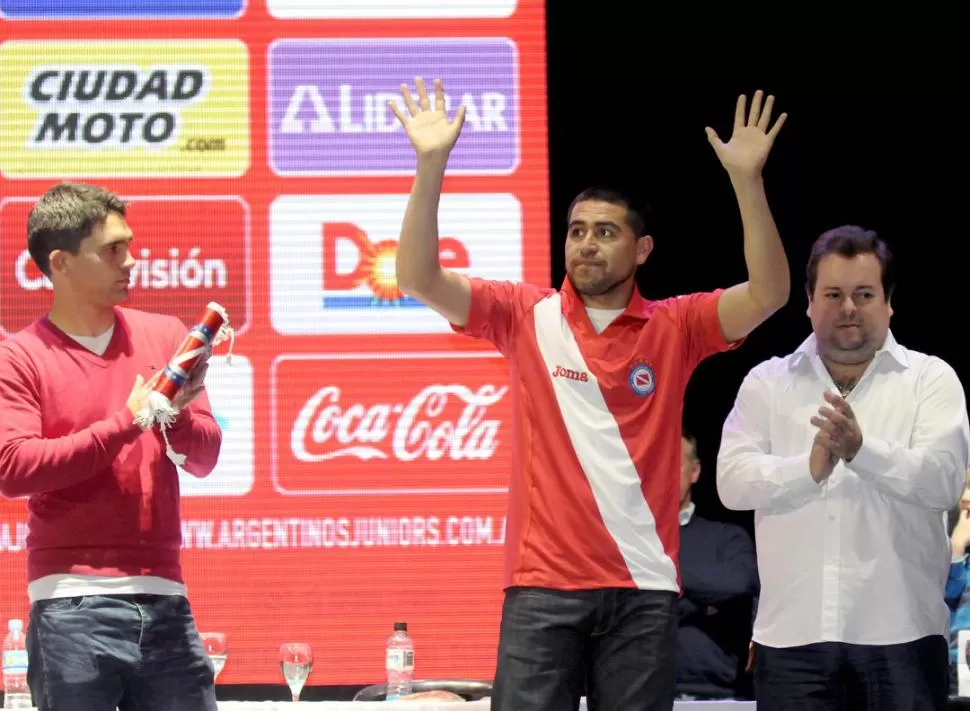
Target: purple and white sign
(328, 112)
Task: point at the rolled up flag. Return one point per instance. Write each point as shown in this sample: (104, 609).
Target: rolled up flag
(211, 330)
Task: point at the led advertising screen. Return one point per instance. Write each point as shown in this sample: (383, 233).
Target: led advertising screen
(366, 447)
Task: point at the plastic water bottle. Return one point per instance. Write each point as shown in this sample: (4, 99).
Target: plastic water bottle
(16, 693)
(399, 662)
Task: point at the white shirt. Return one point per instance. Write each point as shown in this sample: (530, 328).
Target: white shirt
(863, 557)
(686, 514)
(96, 344)
(601, 318)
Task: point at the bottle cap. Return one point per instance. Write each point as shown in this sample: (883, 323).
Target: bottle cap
(400, 626)
(15, 625)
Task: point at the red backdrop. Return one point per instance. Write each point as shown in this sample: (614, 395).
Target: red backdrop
(364, 472)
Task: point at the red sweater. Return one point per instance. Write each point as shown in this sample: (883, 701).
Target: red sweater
(103, 495)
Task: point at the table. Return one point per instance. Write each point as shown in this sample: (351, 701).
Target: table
(955, 703)
(438, 706)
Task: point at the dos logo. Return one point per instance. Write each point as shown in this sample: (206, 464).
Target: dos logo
(332, 259)
(371, 282)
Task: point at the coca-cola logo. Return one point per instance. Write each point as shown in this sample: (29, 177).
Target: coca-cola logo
(426, 426)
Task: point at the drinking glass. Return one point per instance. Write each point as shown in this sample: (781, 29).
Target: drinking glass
(296, 661)
(217, 648)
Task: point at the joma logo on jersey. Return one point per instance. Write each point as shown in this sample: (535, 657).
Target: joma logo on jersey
(568, 374)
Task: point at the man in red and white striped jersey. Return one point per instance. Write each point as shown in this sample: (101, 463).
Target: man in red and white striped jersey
(598, 375)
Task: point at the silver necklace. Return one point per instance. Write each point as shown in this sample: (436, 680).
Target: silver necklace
(845, 388)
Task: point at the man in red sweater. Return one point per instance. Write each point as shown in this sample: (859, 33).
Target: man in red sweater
(110, 624)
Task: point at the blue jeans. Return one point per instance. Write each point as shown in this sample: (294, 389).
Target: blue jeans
(619, 645)
(127, 652)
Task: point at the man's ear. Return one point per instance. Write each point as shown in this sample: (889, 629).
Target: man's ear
(59, 261)
(644, 248)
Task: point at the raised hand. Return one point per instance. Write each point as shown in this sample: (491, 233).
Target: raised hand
(430, 131)
(744, 155)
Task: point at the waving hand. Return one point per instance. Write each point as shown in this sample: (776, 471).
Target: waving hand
(747, 150)
(430, 131)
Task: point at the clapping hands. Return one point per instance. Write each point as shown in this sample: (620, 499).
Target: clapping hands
(839, 436)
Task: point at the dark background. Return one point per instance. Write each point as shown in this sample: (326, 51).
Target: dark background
(875, 136)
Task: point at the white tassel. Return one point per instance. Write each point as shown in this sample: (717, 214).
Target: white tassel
(163, 413)
(177, 459)
(158, 411)
(225, 331)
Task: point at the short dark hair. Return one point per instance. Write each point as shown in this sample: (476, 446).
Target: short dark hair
(638, 218)
(692, 441)
(65, 216)
(849, 241)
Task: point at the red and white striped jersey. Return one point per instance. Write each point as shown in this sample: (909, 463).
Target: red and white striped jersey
(595, 487)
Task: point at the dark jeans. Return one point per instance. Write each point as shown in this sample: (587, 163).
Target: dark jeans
(848, 677)
(127, 652)
(617, 644)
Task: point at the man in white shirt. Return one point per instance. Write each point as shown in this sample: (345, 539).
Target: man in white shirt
(850, 451)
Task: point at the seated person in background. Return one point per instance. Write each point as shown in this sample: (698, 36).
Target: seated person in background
(957, 596)
(719, 572)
